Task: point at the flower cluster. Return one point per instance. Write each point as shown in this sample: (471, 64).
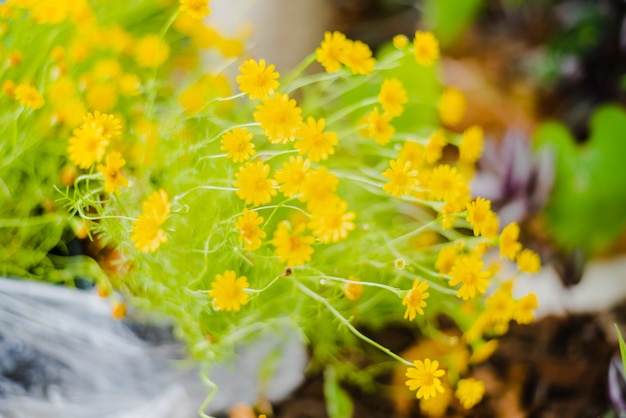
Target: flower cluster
(326, 189)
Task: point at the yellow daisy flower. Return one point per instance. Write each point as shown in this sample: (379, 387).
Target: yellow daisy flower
(249, 231)
(392, 97)
(402, 178)
(509, 247)
(523, 313)
(228, 291)
(528, 261)
(111, 170)
(331, 51)
(378, 127)
(471, 146)
(426, 48)
(415, 300)
(253, 184)
(291, 247)
(478, 214)
(147, 234)
(434, 147)
(425, 378)
(446, 183)
(257, 79)
(87, 145)
(319, 187)
(280, 117)
(467, 271)
(28, 96)
(238, 144)
(292, 176)
(358, 57)
(317, 143)
(469, 392)
(331, 223)
(197, 9)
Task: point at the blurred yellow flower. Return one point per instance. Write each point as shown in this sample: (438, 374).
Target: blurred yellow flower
(331, 50)
(446, 258)
(400, 41)
(331, 223)
(292, 247)
(319, 187)
(354, 289)
(469, 392)
(280, 118)
(415, 300)
(528, 261)
(392, 97)
(446, 183)
(378, 127)
(412, 152)
(524, 309)
(358, 57)
(452, 106)
(151, 51)
(249, 231)
(253, 184)
(434, 147)
(147, 234)
(87, 145)
(292, 176)
(467, 272)
(471, 146)
(228, 291)
(111, 170)
(509, 247)
(28, 96)
(317, 143)
(157, 206)
(426, 48)
(197, 9)
(238, 144)
(478, 214)
(402, 178)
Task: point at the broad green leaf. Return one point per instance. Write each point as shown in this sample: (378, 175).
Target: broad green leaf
(587, 208)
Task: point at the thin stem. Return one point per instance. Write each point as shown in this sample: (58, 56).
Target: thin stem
(347, 110)
(293, 74)
(213, 391)
(371, 284)
(414, 232)
(351, 327)
(266, 287)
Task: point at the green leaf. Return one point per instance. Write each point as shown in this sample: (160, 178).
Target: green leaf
(622, 347)
(338, 403)
(448, 19)
(587, 208)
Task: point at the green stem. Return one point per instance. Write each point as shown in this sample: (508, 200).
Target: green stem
(293, 74)
(213, 391)
(347, 110)
(351, 327)
(370, 284)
